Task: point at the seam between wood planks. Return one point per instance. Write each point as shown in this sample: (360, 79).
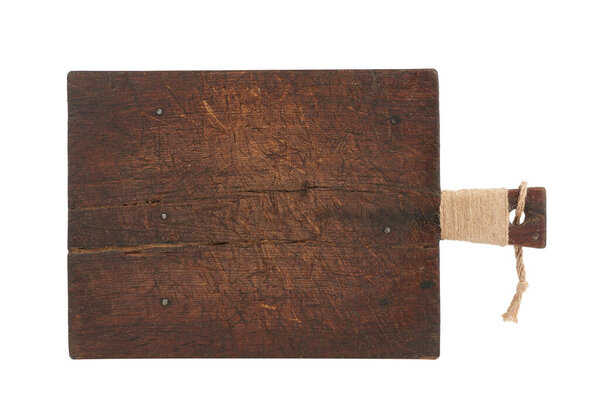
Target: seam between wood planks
(149, 246)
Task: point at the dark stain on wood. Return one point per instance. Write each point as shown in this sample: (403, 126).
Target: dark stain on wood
(427, 284)
(277, 188)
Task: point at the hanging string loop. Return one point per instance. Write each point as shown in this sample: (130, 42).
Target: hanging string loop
(513, 309)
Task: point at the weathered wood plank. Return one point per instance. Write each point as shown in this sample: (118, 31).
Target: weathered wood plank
(226, 132)
(337, 217)
(300, 214)
(259, 300)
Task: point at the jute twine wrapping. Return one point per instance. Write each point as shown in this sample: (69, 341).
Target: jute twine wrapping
(476, 215)
(482, 216)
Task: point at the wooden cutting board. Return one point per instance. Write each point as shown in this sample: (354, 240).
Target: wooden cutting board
(254, 214)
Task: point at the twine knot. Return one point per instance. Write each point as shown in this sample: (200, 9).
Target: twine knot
(515, 304)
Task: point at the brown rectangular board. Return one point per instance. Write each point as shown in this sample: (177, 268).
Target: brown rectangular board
(254, 214)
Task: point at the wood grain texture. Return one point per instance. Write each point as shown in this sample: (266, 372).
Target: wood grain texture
(256, 214)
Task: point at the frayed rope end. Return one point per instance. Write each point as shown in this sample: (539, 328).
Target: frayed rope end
(513, 310)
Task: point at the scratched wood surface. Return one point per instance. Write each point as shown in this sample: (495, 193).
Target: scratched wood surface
(254, 214)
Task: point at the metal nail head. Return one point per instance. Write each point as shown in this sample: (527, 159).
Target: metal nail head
(159, 111)
(164, 301)
(163, 216)
(386, 230)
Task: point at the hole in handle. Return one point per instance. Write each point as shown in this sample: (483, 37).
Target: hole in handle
(511, 217)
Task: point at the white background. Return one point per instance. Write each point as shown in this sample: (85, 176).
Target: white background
(520, 99)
